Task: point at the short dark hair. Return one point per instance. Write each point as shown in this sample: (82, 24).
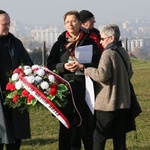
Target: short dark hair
(72, 12)
(3, 12)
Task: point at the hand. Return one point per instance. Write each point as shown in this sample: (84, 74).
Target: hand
(78, 64)
(70, 67)
(73, 65)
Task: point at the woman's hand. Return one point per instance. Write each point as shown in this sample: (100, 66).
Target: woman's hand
(78, 64)
(72, 67)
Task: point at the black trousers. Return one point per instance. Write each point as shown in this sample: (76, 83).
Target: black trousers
(76, 138)
(72, 137)
(15, 146)
(110, 125)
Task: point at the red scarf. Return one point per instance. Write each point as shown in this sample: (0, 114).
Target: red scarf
(94, 36)
(73, 42)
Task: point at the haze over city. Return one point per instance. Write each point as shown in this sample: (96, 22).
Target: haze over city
(33, 12)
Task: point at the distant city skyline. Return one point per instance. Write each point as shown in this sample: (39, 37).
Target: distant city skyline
(33, 12)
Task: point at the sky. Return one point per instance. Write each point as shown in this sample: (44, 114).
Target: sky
(36, 12)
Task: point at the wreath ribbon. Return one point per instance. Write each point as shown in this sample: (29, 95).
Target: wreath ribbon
(65, 81)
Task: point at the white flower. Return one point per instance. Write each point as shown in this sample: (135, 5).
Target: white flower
(51, 78)
(18, 85)
(35, 67)
(44, 85)
(26, 67)
(28, 71)
(37, 79)
(40, 72)
(30, 79)
(15, 77)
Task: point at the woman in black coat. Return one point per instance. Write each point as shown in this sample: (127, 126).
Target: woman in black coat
(14, 124)
(61, 51)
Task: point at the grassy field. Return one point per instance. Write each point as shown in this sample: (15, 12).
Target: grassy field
(45, 129)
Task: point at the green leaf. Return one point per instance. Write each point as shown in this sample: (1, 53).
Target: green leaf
(62, 87)
(11, 95)
(59, 94)
(51, 97)
(34, 101)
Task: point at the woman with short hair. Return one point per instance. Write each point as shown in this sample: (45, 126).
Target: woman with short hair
(62, 50)
(112, 91)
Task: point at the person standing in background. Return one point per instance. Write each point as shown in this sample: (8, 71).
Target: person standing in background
(112, 92)
(62, 50)
(87, 25)
(14, 124)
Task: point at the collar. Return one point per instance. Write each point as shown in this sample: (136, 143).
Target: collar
(114, 45)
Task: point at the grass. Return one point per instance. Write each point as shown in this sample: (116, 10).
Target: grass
(44, 127)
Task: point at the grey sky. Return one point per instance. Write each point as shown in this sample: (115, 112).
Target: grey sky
(52, 11)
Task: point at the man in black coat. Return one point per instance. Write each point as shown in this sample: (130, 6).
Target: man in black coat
(14, 124)
(87, 25)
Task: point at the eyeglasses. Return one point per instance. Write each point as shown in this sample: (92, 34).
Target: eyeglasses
(102, 39)
(70, 22)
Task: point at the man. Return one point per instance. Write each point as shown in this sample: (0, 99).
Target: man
(14, 124)
(88, 20)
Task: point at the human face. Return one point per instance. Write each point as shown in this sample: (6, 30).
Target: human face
(72, 25)
(4, 24)
(89, 24)
(105, 40)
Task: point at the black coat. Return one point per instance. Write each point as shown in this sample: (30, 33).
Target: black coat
(56, 60)
(90, 31)
(14, 124)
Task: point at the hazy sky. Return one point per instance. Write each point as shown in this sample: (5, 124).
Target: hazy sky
(52, 11)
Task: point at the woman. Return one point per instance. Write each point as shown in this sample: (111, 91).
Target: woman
(60, 53)
(112, 92)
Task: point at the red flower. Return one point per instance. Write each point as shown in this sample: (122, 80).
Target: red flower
(53, 86)
(30, 98)
(59, 80)
(53, 89)
(10, 86)
(25, 93)
(15, 98)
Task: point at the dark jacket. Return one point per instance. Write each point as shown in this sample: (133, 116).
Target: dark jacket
(88, 32)
(56, 60)
(14, 124)
(95, 35)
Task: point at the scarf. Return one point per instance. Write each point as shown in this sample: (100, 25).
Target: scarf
(73, 42)
(95, 37)
(114, 45)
